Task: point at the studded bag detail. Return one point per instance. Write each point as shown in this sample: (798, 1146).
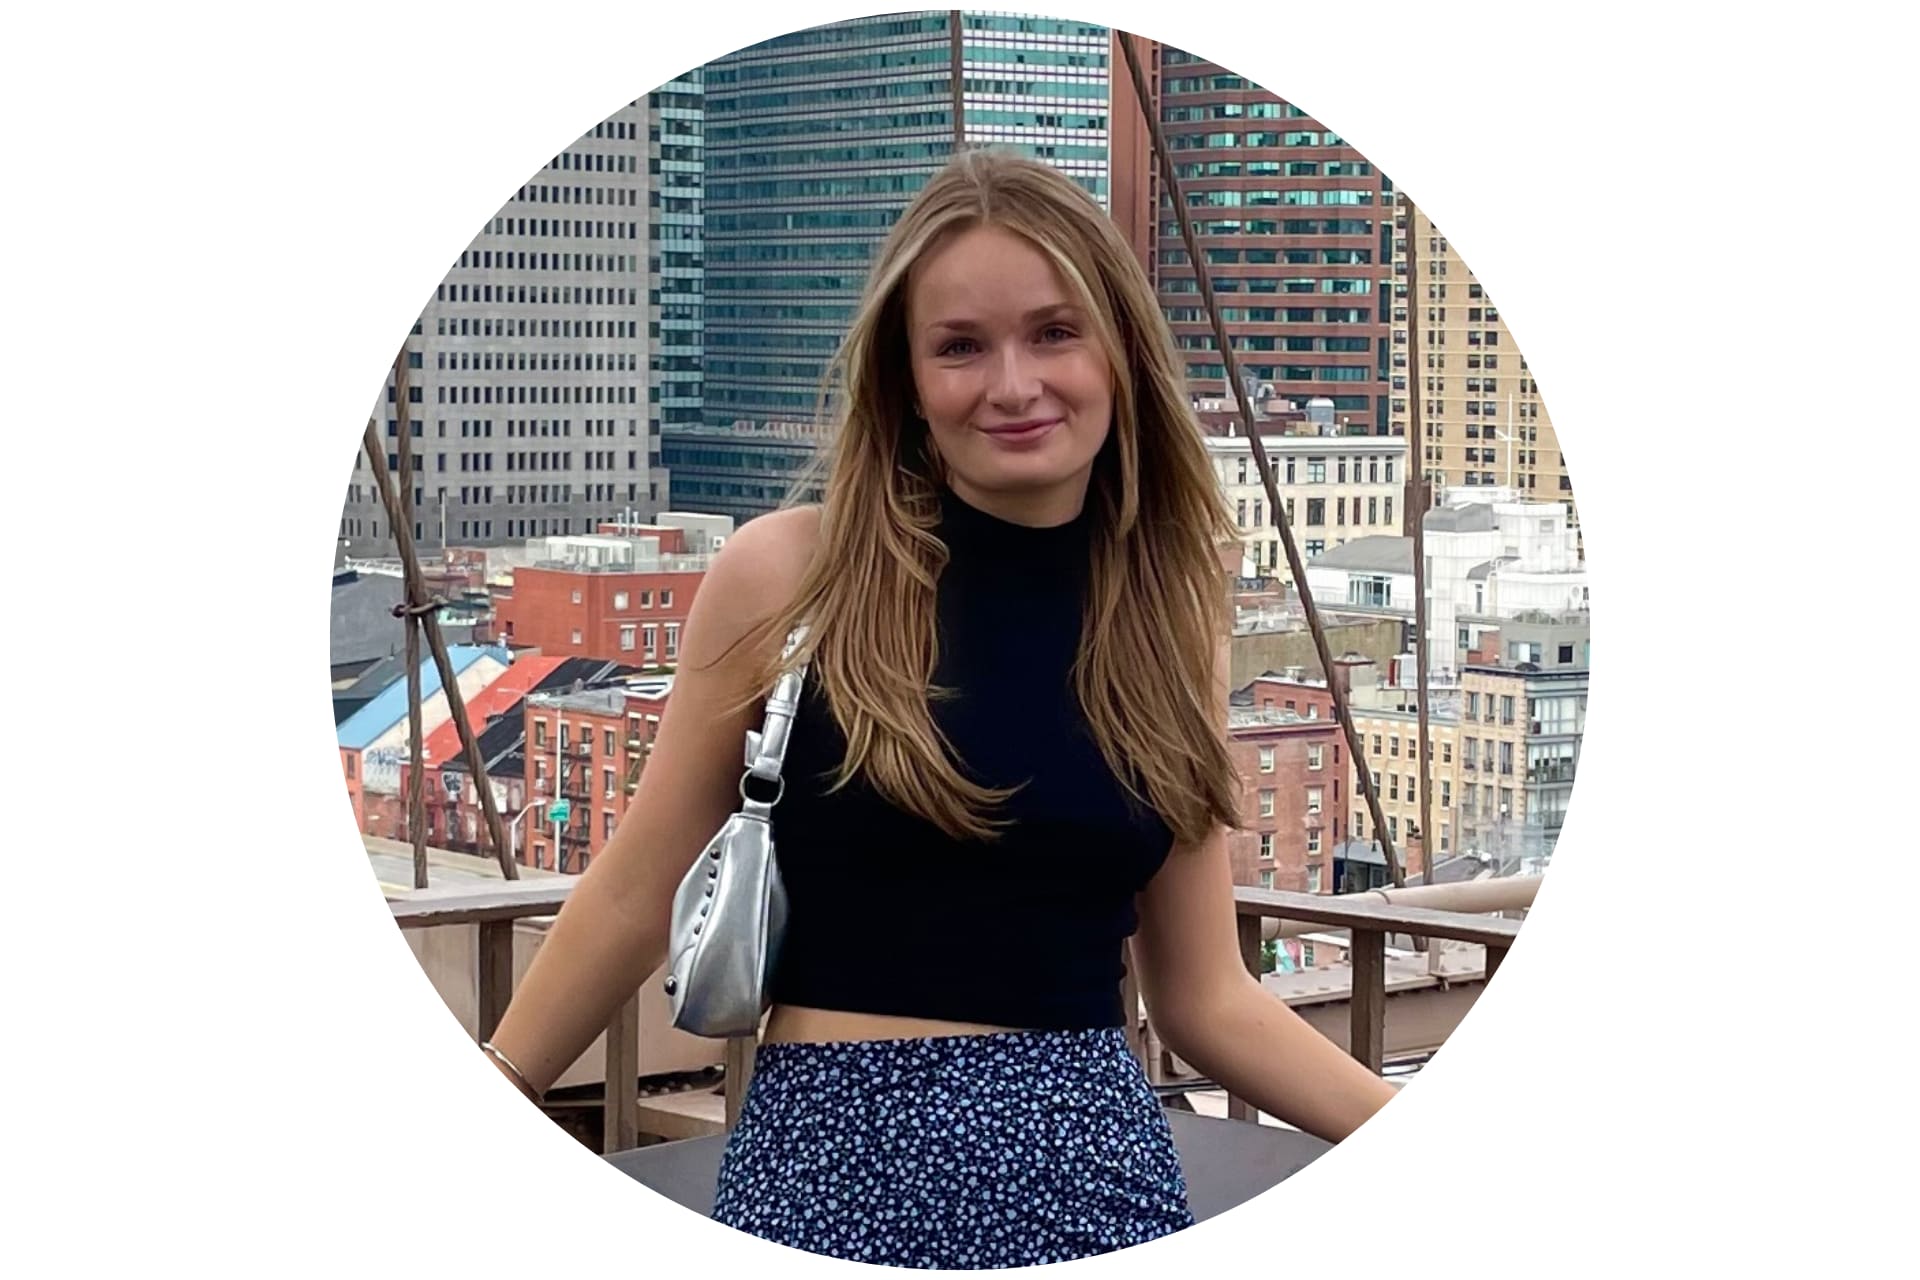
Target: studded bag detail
(730, 911)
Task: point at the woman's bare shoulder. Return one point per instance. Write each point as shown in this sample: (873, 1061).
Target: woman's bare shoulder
(756, 572)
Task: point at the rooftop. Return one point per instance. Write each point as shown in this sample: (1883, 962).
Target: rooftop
(1376, 553)
(1473, 517)
(389, 706)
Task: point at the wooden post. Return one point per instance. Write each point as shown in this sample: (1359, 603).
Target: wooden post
(1248, 928)
(739, 1060)
(1494, 956)
(1367, 1037)
(621, 1108)
(1130, 1006)
(496, 974)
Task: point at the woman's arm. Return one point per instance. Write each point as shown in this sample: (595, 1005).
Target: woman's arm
(612, 932)
(1214, 1014)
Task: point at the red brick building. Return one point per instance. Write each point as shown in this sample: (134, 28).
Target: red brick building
(1291, 793)
(617, 617)
(595, 742)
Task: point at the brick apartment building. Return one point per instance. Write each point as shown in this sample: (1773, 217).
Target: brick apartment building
(613, 616)
(596, 743)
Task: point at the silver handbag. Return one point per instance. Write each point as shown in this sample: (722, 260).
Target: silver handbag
(730, 911)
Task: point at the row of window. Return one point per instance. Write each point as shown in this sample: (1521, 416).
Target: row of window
(1274, 315)
(486, 393)
(1231, 111)
(500, 327)
(1288, 373)
(1293, 257)
(485, 361)
(839, 125)
(1379, 511)
(1361, 471)
(1258, 342)
(1271, 227)
(1274, 169)
(748, 73)
(546, 193)
(1254, 138)
(1271, 284)
(934, 90)
(1234, 198)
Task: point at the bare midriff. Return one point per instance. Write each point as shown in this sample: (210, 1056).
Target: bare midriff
(794, 1024)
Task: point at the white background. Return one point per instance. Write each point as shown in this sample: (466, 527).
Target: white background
(219, 1054)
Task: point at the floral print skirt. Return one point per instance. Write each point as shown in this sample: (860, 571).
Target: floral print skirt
(953, 1152)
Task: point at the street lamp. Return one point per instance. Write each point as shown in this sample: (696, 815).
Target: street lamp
(513, 831)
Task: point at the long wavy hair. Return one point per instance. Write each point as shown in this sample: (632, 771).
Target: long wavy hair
(1158, 603)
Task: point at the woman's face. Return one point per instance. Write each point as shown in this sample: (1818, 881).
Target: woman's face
(1009, 374)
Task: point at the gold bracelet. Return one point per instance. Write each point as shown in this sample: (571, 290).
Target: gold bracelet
(519, 1076)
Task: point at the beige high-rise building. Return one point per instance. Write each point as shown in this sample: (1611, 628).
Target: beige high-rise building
(1482, 418)
(1391, 737)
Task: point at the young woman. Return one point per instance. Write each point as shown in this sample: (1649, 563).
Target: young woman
(1010, 758)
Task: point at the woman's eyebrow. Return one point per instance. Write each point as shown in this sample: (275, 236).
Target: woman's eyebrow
(1050, 311)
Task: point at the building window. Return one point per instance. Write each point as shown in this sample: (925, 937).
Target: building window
(1266, 759)
(1393, 746)
(1313, 886)
(673, 639)
(626, 637)
(576, 635)
(606, 778)
(1445, 837)
(619, 599)
(1315, 796)
(1266, 878)
(607, 827)
(649, 639)
(1266, 804)
(666, 599)
(1446, 794)
(576, 596)
(1316, 474)
(1315, 752)
(610, 742)
(1506, 708)
(1313, 839)
(1266, 846)
(1316, 511)
(1373, 591)
(646, 599)
(539, 733)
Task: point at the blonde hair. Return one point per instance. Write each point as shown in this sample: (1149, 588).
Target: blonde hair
(1157, 603)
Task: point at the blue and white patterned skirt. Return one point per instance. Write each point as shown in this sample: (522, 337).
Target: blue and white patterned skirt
(966, 1151)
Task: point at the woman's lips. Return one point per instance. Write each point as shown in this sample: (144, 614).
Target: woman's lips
(1022, 432)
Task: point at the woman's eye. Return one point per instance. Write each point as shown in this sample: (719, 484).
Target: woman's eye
(958, 347)
(1056, 333)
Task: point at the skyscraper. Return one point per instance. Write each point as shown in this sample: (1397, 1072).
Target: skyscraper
(815, 143)
(1483, 421)
(529, 379)
(1293, 223)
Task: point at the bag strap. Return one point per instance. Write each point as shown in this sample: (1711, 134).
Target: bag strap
(767, 745)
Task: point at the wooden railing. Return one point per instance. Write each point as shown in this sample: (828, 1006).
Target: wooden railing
(1368, 920)
(495, 909)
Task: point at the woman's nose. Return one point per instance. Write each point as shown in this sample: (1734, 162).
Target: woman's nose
(1014, 379)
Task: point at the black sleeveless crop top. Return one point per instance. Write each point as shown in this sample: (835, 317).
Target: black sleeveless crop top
(888, 914)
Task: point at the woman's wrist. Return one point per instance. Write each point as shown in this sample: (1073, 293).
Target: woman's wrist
(509, 1070)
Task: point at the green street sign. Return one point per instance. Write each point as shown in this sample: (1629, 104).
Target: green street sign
(559, 811)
